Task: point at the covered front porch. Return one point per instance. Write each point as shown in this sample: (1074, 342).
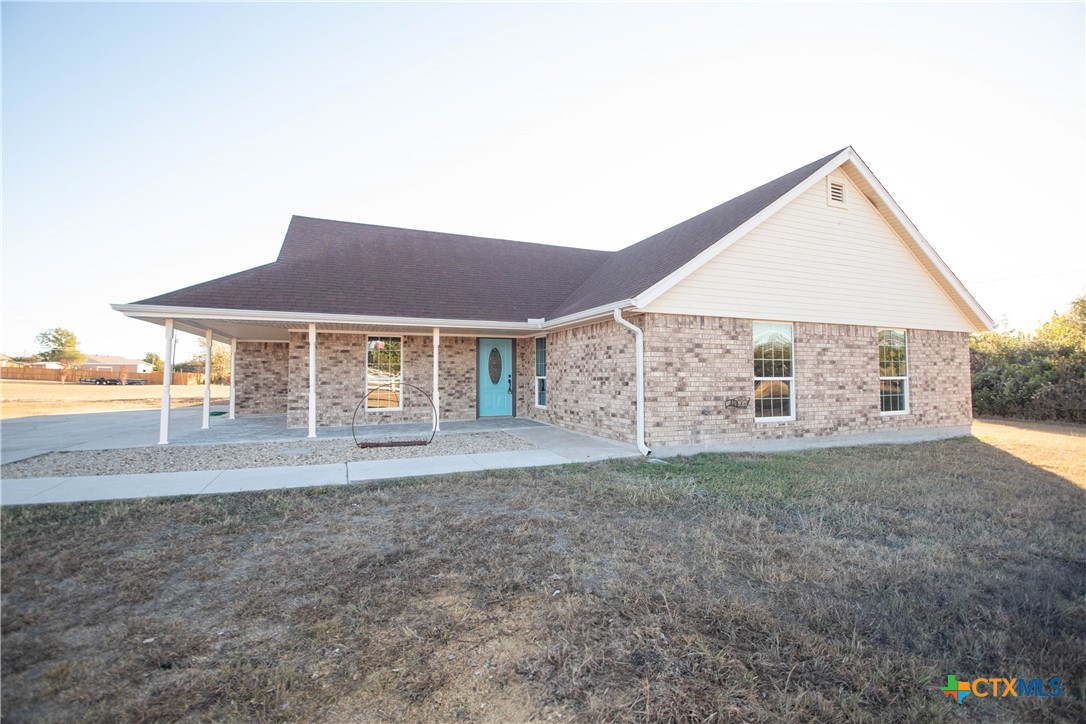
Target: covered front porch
(315, 375)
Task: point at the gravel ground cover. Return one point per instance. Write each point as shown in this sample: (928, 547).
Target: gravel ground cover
(247, 455)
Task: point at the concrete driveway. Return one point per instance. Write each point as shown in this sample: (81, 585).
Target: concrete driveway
(26, 437)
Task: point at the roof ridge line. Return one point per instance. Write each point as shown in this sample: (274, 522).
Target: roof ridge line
(439, 233)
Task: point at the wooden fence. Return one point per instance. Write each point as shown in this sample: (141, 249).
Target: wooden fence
(45, 375)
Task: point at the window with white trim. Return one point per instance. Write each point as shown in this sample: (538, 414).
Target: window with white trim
(541, 372)
(384, 373)
(774, 376)
(893, 372)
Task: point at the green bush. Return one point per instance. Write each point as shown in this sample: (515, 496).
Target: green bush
(1038, 376)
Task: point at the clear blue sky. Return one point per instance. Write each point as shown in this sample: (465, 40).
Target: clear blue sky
(147, 147)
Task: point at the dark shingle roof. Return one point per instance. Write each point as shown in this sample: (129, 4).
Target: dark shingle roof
(336, 267)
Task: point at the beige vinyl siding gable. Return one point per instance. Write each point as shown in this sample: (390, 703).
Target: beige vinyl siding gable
(813, 262)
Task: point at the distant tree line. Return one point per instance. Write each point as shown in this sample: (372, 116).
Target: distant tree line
(61, 345)
(1035, 376)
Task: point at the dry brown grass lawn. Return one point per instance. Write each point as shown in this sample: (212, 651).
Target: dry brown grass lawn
(25, 398)
(1056, 447)
(831, 585)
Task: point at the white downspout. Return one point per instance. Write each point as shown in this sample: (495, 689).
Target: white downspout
(639, 336)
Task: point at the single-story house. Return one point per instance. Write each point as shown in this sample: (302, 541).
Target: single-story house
(809, 306)
(113, 364)
(6, 361)
(47, 365)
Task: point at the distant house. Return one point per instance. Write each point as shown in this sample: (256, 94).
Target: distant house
(809, 306)
(47, 365)
(114, 365)
(6, 361)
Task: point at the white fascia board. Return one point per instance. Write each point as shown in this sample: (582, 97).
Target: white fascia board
(652, 293)
(921, 242)
(253, 315)
(245, 315)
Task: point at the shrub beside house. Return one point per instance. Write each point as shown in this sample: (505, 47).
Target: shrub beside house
(1037, 376)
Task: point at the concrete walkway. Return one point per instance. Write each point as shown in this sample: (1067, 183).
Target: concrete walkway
(555, 446)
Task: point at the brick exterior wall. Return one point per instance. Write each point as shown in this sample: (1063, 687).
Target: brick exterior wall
(693, 364)
(341, 369)
(524, 362)
(591, 377)
(261, 369)
(457, 375)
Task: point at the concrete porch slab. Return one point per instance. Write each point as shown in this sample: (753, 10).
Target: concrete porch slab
(28, 437)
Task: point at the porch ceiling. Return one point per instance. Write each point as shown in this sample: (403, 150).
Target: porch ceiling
(224, 330)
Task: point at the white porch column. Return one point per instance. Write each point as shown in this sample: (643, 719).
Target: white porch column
(437, 391)
(207, 380)
(167, 379)
(233, 368)
(312, 379)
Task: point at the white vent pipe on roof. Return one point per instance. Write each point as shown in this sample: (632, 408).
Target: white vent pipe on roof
(639, 337)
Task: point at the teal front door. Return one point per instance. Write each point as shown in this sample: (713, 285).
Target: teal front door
(495, 377)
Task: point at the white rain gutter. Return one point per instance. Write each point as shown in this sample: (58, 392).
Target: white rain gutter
(579, 317)
(154, 311)
(639, 337)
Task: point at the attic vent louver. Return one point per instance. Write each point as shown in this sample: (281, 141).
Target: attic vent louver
(835, 192)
